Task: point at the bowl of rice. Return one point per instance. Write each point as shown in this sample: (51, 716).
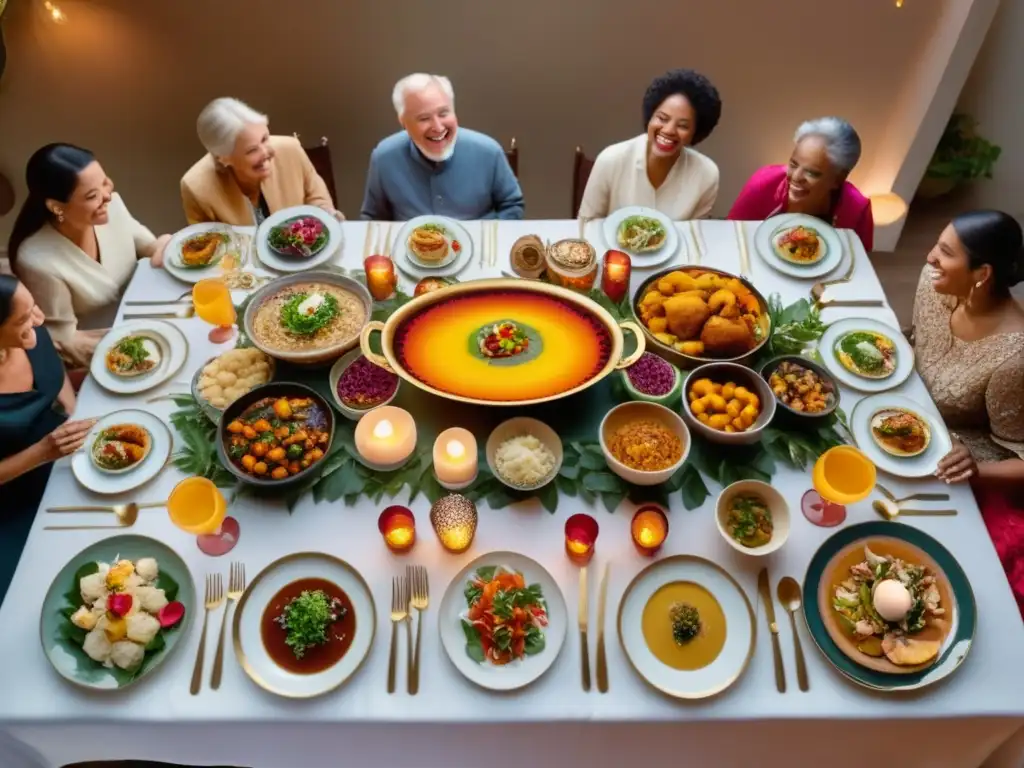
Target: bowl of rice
(524, 454)
(644, 443)
(358, 386)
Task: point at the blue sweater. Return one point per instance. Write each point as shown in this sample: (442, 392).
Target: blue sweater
(476, 182)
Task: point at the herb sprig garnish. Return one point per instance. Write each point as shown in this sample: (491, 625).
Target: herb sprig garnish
(307, 324)
(306, 620)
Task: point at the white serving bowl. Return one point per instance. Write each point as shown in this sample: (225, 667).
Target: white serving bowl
(522, 425)
(776, 505)
(720, 373)
(631, 411)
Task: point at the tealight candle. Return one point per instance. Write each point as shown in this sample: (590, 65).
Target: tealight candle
(380, 276)
(385, 437)
(649, 529)
(455, 460)
(398, 527)
(615, 275)
(580, 536)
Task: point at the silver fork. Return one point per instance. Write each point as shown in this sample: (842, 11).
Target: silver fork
(214, 597)
(417, 576)
(150, 303)
(399, 613)
(236, 586)
(183, 314)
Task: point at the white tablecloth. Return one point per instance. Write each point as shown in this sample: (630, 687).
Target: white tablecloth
(553, 721)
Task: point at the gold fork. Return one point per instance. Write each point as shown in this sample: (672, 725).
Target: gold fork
(236, 586)
(182, 314)
(818, 289)
(214, 597)
(417, 576)
(399, 612)
(157, 303)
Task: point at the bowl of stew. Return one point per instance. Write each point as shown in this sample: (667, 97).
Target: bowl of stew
(276, 435)
(805, 392)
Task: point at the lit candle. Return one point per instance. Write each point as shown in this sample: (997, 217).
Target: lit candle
(580, 537)
(649, 529)
(454, 519)
(615, 275)
(385, 437)
(380, 276)
(455, 460)
(398, 527)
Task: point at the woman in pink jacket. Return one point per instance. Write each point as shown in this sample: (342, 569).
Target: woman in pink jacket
(813, 182)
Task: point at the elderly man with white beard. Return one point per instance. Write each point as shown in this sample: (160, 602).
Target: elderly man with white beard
(433, 166)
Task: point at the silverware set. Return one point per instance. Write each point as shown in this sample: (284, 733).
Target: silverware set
(584, 611)
(789, 597)
(126, 515)
(214, 598)
(408, 593)
(890, 508)
(818, 289)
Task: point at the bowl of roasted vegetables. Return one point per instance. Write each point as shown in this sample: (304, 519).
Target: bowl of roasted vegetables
(276, 435)
(805, 391)
(696, 315)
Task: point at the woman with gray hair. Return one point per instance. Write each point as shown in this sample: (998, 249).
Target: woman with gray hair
(247, 174)
(813, 182)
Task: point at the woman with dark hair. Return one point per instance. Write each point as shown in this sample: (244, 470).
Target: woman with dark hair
(75, 246)
(35, 400)
(969, 345)
(825, 150)
(660, 169)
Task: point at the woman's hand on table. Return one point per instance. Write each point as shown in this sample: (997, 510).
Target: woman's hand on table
(958, 465)
(66, 439)
(338, 215)
(156, 260)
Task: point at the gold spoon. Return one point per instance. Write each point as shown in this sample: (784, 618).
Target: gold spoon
(826, 303)
(789, 595)
(126, 515)
(890, 511)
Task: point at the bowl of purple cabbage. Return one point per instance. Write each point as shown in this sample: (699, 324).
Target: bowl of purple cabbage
(652, 379)
(358, 385)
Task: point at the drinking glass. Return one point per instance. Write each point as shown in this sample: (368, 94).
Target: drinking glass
(198, 507)
(842, 475)
(212, 301)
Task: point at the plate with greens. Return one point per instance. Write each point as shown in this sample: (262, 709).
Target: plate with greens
(138, 355)
(799, 245)
(648, 236)
(305, 625)
(124, 450)
(503, 621)
(298, 238)
(866, 355)
(116, 611)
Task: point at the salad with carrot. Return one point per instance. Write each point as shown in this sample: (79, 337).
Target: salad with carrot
(504, 617)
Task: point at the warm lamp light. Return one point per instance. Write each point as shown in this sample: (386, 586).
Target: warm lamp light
(398, 527)
(649, 529)
(454, 520)
(887, 208)
(380, 276)
(615, 275)
(580, 537)
(57, 16)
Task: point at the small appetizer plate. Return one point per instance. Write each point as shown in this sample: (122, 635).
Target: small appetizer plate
(838, 329)
(108, 484)
(173, 353)
(450, 266)
(172, 253)
(272, 260)
(923, 464)
(648, 259)
(769, 230)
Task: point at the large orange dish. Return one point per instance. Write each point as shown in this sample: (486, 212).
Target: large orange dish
(502, 342)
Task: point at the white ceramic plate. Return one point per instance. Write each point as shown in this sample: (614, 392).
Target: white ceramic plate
(96, 480)
(248, 640)
(922, 465)
(730, 663)
(904, 354)
(768, 231)
(173, 353)
(517, 673)
(172, 254)
(272, 260)
(673, 243)
(413, 267)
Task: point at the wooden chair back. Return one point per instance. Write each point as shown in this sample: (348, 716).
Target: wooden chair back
(581, 168)
(512, 153)
(320, 156)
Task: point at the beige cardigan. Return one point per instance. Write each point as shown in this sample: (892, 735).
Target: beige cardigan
(210, 193)
(77, 293)
(619, 179)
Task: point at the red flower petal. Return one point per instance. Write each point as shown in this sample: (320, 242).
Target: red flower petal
(119, 603)
(170, 614)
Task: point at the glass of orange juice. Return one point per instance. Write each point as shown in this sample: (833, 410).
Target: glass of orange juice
(842, 475)
(212, 301)
(198, 507)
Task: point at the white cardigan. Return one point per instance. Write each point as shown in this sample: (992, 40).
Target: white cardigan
(74, 291)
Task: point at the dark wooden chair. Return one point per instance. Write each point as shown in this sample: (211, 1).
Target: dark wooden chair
(320, 157)
(512, 153)
(581, 168)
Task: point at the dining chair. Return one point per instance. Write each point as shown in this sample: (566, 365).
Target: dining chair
(320, 157)
(512, 154)
(581, 168)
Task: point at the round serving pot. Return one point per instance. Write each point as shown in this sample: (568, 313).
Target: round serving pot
(389, 360)
(315, 356)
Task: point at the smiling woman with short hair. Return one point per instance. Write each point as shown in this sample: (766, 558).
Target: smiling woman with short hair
(247, 174)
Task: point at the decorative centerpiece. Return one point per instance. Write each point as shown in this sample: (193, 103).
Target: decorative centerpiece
(527, 257)
(653, 380)
(454, 519)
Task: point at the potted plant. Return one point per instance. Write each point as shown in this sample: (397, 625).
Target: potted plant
(961, 155)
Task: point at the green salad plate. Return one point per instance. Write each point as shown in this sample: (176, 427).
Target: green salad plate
(62, 640)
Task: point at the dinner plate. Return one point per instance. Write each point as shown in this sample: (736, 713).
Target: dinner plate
(271, 260)
(769, 229)
(90, 476)
(515, 674)
(172, 253)
(965, 613)
(922, 465)
(450, 266)
(67, 656)
(673, 243)
(250, 649)
(731, 661)
(173, 353)
(904, 354)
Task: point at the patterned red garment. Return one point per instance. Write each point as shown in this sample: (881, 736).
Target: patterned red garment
(1005, 522)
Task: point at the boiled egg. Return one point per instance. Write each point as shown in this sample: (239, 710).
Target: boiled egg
(892, 600)
(311, 304)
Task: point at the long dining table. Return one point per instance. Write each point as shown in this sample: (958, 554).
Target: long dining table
(45, 721)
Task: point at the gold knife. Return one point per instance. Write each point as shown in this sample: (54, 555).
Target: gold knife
(602, 661)
(583, 629)
(765, 589)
